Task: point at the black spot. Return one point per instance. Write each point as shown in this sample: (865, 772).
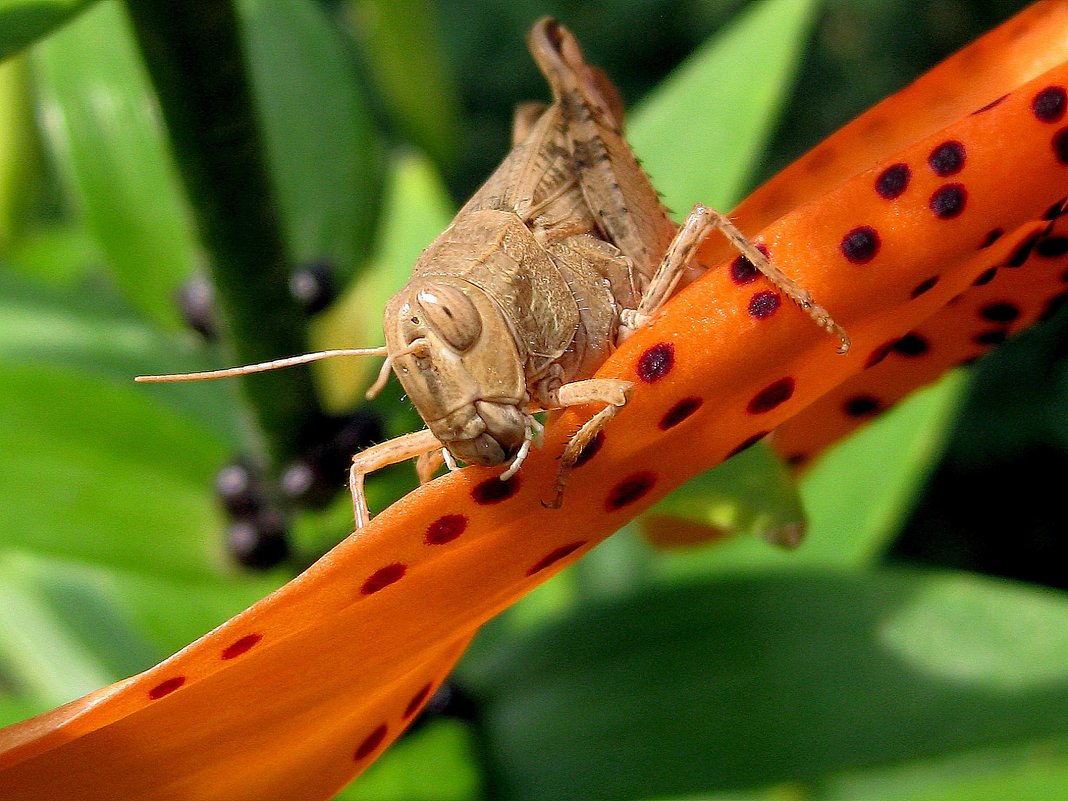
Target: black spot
(861, 406)
(912, 344)
(994, 336)
(772, 396)
(1023, 250)
(893, 181)
(999, 312)
(1060, 145)
(924, 286)
(991, 238)
(679, 412)
(1052, 246)
(985, 277)
(948, 201)
(861, 244)
(1049, 104)
(989, 105)
(947, 159)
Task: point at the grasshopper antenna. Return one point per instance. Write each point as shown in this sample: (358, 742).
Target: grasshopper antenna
(262, 367)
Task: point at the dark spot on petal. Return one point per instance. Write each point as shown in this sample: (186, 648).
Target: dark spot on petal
(879, 353)
(947, 159)
(383, 577)
(995, 336)
(912, 345)
(861, 406)
(742, 270)
(656, 362)
(238, 647)
(771, 396)
(592, 448)
(747, 443)
(985, 277)
(1049, 104)
(417, 701)
(370, 743)
(629, 490)
(493, 490)
(1060, 145)
(445, 529)
(555, 556)
(923, 287)
(764, 304)
(991, 238)
(1053, 305)
(1023, 250)
(948, 201)
(1052, 246)
(861, 244)
(679, 412)
(999, 312)
(166, 687)
(1058, 209)
(893, 181)
(797, 459)
(989, 105)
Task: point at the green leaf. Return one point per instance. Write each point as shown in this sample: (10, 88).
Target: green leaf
(102, 123)
(320, 140)
(750, 682)
(701, 131)
(751, 493)
(102, 473)
(409, 67)
(18, 150)
(23, 22)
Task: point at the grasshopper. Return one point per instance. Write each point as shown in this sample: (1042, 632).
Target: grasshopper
(558, 257)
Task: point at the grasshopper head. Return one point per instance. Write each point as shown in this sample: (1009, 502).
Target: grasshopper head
(464, 372)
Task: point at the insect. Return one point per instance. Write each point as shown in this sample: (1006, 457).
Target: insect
(559, 256)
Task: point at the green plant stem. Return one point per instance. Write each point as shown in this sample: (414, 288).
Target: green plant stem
(194, 54)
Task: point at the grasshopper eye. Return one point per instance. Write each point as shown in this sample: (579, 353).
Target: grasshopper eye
(451, 315)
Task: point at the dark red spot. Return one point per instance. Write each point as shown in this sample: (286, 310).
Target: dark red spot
(656, 362)
(893, 181)
(679, 412)
(1052, 246)
(742, 270)
(1060, 145)
(555, 556)
(417, 701)
(948, 201)
(1064, 277)
(383, 577)
(592, 448)
(1053, 305)
(912, 345)
(924, 287)
(764, 304)
(238, 647)
(370, 743)
(999, 312)
(1049, 104)
(947, 159)
(861, 406)
(1058, 209)
(985, 277)
(771, 396)
(166, 687)
(797, 459)
(879, 353)
(991, 238)
(1023, 250)
(861, 244)
(994, 336)
(989, 105)
(493, 490)
(445, 529)
(748, 443)
(629, 490)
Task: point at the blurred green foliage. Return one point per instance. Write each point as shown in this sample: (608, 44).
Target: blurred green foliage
(738, 671)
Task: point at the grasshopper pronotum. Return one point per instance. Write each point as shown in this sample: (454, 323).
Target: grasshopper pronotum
(562, 253)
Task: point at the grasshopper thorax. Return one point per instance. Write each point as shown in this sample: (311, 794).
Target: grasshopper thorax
(461, 367)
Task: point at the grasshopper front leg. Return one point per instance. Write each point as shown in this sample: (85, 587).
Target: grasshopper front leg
(399, 449)
(613, 392)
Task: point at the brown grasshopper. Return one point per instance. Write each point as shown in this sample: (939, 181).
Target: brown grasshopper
(561, 254)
